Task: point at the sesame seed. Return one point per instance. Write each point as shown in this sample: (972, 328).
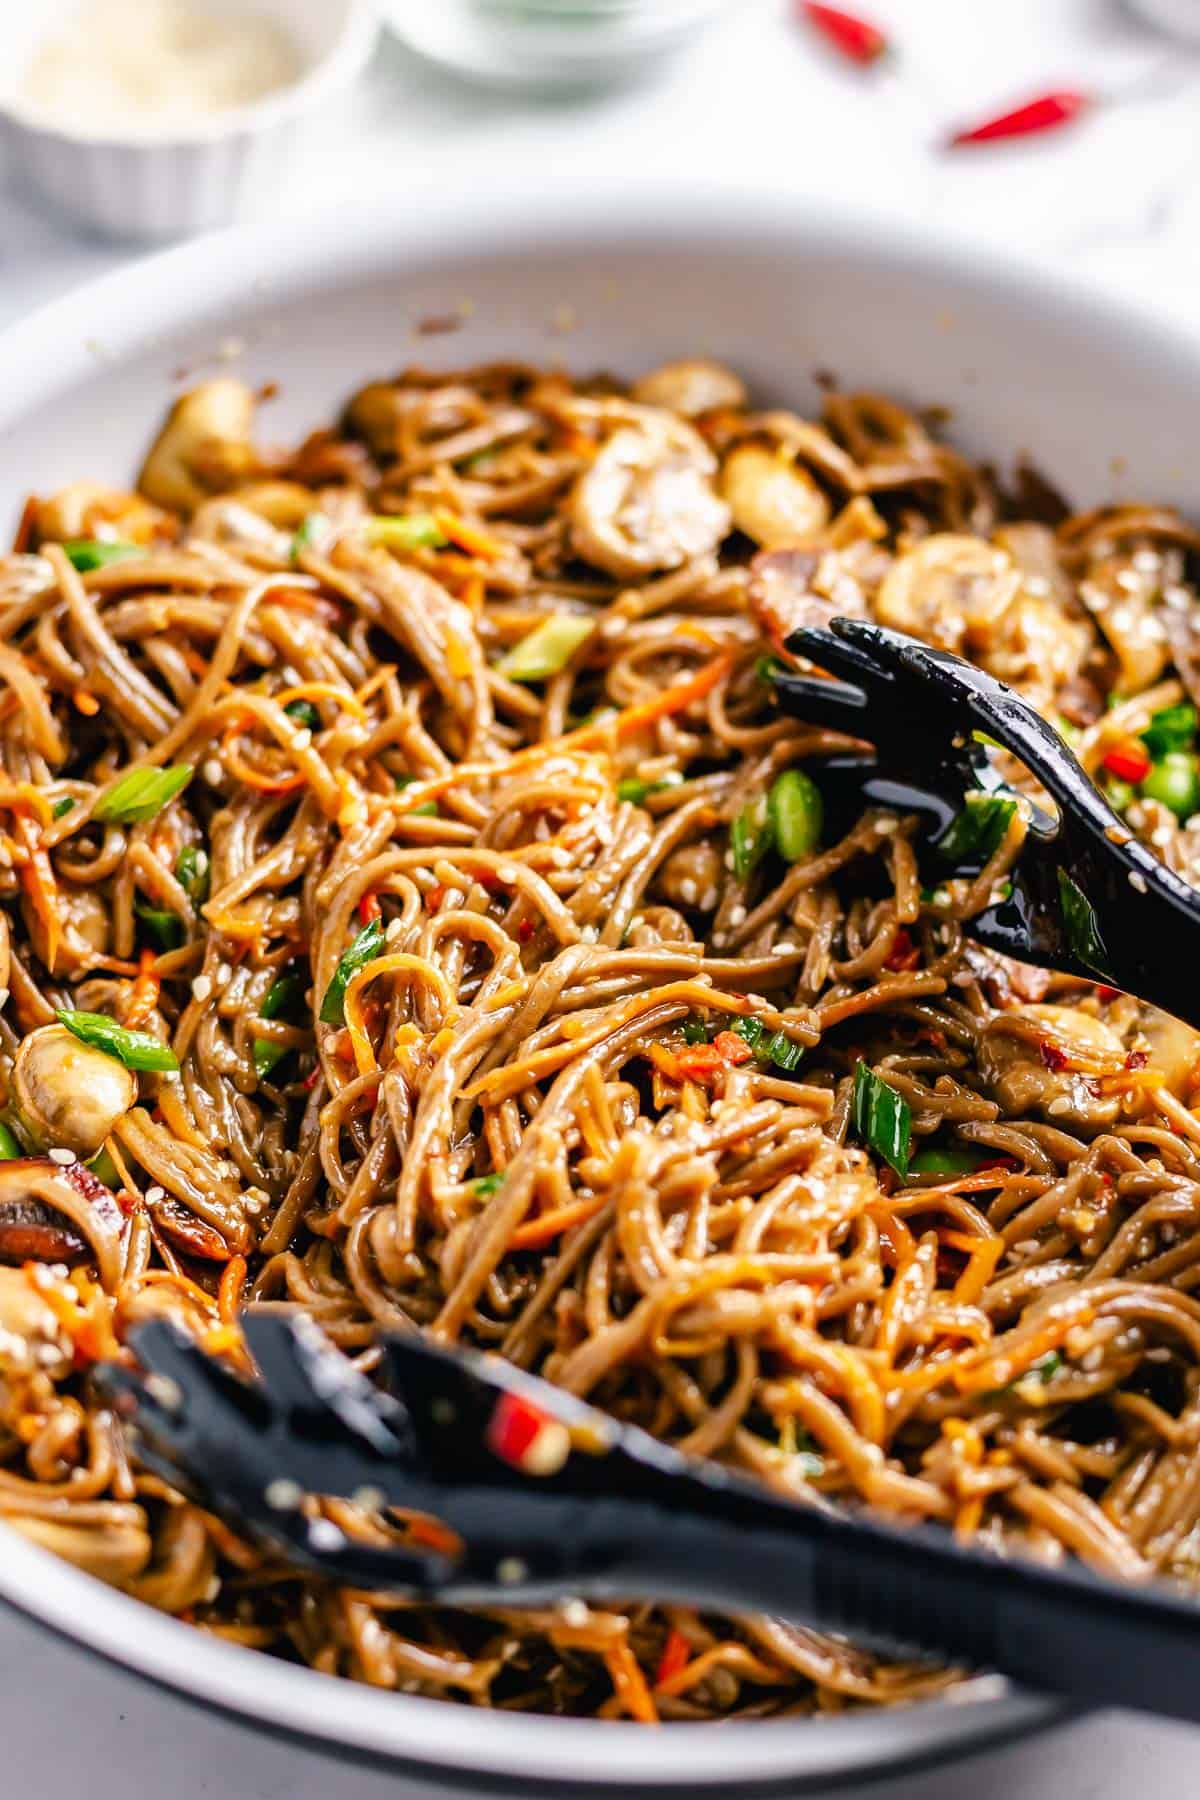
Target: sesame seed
(1159, 1354)
(1091, 1359)
(155, 1194)
(507, 874)
(574, 1612)
(168, 1393)
(1137, 881)
(302, 739)
(202, 988)
(737, 916)
(324, 1535)
(282, 1495)
(510, 1570)
(64, 1158)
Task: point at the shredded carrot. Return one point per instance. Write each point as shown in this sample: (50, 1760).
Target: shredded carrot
(229, 1289)
(85, 702)
(983, 1258)
(221, 1339)
(369, 908)
(37, 879)
(469, 537)
(675, 1657)
(249, 775)
(323, 690)
(535, 1234)
(647, 712)
(143, 996)
(629, 1684)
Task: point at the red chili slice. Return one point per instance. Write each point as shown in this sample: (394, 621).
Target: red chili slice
(1128, 761)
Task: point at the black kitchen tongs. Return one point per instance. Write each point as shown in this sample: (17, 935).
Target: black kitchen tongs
(1087, 898)
(551, 1499)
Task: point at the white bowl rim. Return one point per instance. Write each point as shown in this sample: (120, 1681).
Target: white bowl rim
(202, 283)
(342, 62)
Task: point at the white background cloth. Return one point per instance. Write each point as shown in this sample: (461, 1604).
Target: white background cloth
(757, 100)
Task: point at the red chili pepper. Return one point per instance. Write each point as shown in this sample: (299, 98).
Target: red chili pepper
(521, 1434)
(1128, 761)
(369, 908)
(1045, 112)
(434, 897)
(525, 930)
(1104, 992)
(677, 1654)
(1137, 1059)
(699, 1060)
(857, 39)
(731, 1048)
(1052, 1056)
(903, 954)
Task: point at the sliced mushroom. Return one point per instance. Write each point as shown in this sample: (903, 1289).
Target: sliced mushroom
(1121, 593)
(772, 500)
(691, 876)
(951, 590)
(1174, 1049)
(85, 929)
(282, 503)
(647, 501)
(1046, 1058)
(691, 386)
(52, 1213)
(30, 1335)
(69, 1095)
(204, 448)
(87, 510)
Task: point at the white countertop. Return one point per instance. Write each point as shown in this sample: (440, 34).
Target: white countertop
(1119, 195)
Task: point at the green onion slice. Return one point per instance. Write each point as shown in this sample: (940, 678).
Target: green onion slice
(548, 648)
(64, 806)
(636, 790)
(950, 1159)
(192, 874)
(282, 995)
(304, 713)
(10, 1150)
(166, 928)
(93, 553)
(979, 828)
(104, 1169)
(313, 529)
(881, 1118)
(1170, 728)
(265, 1053)
(750, 837)
(695, 1031)
(141, 794)
(136, 1049)
(796, 814)
(365, 948)
(486, 1185)
(406, 531)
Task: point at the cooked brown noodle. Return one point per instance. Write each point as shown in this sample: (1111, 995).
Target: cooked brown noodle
(697, 1242)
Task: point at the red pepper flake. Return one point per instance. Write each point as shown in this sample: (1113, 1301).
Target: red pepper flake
(1052, 1056)
(525, 1437)
(731, 1048)
(1137, 1059)
(1128, 761)
(434, 898)
(699, 1060)
(857, 39)
(1044, 112)
(310, 1080)
(676, 1656)
(525, 930)
(1107, 993)
(369, 908)
(903, 955)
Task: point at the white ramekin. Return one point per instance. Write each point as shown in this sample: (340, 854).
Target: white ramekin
(165, 184)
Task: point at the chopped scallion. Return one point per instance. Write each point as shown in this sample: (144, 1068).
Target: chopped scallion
(313, 529)
(1174, 782)
(192, 874)
(141, 794)
(406, 531)
(1170, 728)
(978, 830)
(304, 713)
(750, 837)
(636, 790)
(795, 812)
(881, 1117)
(695, 1031)
(166, 928)
(9, 1147)
(547, 649)
(365, 948)
(87, 554)
(136, 1049)
(486, 1185)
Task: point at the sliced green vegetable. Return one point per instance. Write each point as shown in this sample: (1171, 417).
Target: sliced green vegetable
(365, 948)
(193, 875)
(104, 1169)
(637, 790)
(92, 553)
(986, 738)
(795, 813)
(695, 1031)
(952, 1159)
(265, 1053)
(1171, 728)
(9, 1147)
(768, 1046)
(882, 1118)
(136, 1049)
(311, 531)
(403, 781)
(547, 649)
(1081, 927)
(750, 837)
(406, 531)
(428, 810)
(140, 794)
(304, 713)
(486, 1185)
(63, 807)
(285, 992)
(166, 928)
(979, 828)
(1119, 794)
(1174, 781)
(750, 1029)
(766, 668)
(1047, 1367)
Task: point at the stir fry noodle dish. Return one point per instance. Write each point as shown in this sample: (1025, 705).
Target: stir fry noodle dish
(416, 913)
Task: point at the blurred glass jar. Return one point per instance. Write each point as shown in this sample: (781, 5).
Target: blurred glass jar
(549, 44)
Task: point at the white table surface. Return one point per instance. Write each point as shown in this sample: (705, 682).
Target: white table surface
(1118, 196)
